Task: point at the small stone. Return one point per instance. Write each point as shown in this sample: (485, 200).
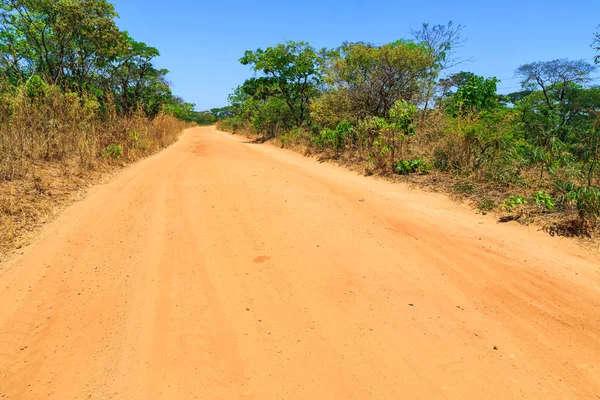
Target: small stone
(495, 347)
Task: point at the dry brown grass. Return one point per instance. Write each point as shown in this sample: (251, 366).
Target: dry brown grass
(54, 145)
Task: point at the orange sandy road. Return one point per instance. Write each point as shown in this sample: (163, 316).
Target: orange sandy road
(219, 269)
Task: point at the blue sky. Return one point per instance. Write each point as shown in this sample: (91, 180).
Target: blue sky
(200, 42)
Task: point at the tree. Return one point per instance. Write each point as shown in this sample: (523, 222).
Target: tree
(548, 109)
(131, 75)
(557, 114)
(76, 46)
(475, 95)
(596, 45)
(454, 81)
(65, 41)
(555, 78)
(441, 42)
(290, 72)
(375, 77)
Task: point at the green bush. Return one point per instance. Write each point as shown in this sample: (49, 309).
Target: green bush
(36, 87)
(486, 206)
(113, 151)
(545, 200)
(513, 202)
(416, 165)
(334, 138)
(585, 198)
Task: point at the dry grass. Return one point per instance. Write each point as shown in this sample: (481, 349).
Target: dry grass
(54, 145)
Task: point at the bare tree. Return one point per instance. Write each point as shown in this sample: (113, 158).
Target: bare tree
(441, 41)
(596, 45)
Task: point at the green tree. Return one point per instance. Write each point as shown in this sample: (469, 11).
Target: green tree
(475, 94)
(65, 41)
(132, 77)
(290, 72)
(555, 78)
(373, 78)
(454, 81)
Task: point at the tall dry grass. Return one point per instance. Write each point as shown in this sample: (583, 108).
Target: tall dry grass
(53, 143)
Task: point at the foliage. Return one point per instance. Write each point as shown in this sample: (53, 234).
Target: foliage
(75, 87)
(474, 95)
(585, 198)
(545, 200)
(373, 77)
(76, 46)
(290, 72)
(514, 201)
(334, 138)
(404, 167)
(113, 151)
(485, 206)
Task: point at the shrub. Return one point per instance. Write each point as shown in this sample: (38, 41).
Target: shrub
(486, 206)
(585, 198)
(464, 187)
(335, 138)
(513, 202)
(416, 165)
(113, 151)
(545, 200)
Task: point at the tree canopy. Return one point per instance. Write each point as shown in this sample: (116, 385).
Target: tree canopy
(77, 46)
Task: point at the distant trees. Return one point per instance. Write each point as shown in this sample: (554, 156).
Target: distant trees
(555, 78)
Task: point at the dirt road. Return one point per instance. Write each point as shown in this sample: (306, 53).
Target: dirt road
(220, 269)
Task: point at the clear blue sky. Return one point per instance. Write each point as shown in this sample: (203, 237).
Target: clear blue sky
(201, 41)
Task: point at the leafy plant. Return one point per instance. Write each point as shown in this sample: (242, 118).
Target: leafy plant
(404, 167)
(336, 138)
(585, 198)
(36, 87)
(545, 200)
(514, 201)
(113, 151)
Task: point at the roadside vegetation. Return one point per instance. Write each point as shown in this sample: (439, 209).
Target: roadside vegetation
(78, 97)
(395, 110)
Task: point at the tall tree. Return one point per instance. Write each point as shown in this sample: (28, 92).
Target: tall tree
(596, 45)
(441, 42)
(131, 74)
